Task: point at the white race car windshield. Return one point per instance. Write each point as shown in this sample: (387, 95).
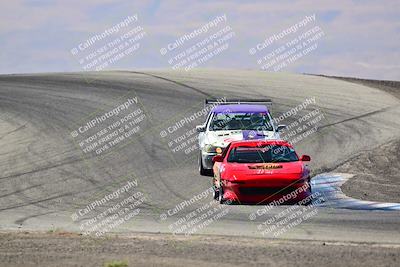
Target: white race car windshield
(240, 121)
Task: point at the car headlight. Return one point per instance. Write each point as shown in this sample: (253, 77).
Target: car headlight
(213, 149)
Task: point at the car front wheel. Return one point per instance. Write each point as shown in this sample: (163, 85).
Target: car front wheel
(221, 199)
(215, 193)
(202, 170)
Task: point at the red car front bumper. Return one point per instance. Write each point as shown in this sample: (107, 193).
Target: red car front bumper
(280, 192)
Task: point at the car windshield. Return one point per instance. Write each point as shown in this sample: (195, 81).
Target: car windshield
(264, 154)
(241, 121)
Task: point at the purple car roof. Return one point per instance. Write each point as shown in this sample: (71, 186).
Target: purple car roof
(239, 108)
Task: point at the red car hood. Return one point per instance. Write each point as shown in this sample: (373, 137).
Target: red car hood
(261, 171)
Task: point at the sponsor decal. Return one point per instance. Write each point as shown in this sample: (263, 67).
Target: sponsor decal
(266, 166)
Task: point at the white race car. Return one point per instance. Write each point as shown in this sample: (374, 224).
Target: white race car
(233, 120)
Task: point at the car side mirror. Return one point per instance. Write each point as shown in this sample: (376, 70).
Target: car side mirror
(305, 158)
(217, 158)
(281, 127)
(200, 128)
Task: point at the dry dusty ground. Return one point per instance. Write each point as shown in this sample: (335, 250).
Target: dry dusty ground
(377, 171)
(63, 249)
(376, 174)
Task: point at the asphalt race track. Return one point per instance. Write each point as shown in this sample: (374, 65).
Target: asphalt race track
(45, 177)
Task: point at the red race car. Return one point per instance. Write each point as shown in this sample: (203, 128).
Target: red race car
(261, 171)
